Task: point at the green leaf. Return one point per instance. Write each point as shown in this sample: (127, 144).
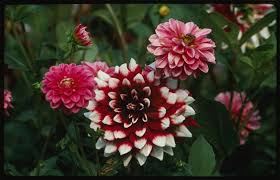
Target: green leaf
(14, 63)
(270, 81)
(216, 125)
(141, 30)
(104, 15)
(248, 61)
(24, 11)
(201, 158)
(258, 26)
(135, 13)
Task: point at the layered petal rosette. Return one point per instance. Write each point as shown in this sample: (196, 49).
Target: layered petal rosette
(139, 117)
(68, 86)
(81, 36)
(249, 117)
(7, 101)
(181, 49)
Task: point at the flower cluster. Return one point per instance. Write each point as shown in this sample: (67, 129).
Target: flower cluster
(242, 111)
(7, 101)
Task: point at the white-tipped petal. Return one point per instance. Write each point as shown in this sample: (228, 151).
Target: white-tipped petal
(91, 105)
(100, 143)
(182, 131)
(87, 114)
(146, 150)
(127, 125)
(103, 76)
(94, 126)
(119, 134)
(170, 140)
(126, 82)
(168, 150)
(100, 83)
(113, 83)
(151, 76)
(95, 117)
(140, 132)
(165, 123)
(147, 102)
(112, 95)
(164, 92)
(117, 69)
(141, 159)
(189, 100)
(159, 141)
(138, 78)
(123, 69)
(172, 83)
(107, 154)
(109, 135)
(113, 104)
(181, 95)
(147, 90)
(126, 160)
(172, 98)
(132, 65)
(117, 118)
(99, 95)
(110, 148)
(140, 143)
(124, 148)
(157, 152)
(178, 119)
(107, 120)
(162, 112)
(189, 111)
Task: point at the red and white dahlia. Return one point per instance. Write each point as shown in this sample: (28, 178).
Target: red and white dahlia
(181, 49)
(7, 101)
(81, 36)
(138, 117)
(249, 118)
(68, 86)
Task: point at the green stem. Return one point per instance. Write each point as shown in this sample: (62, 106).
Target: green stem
(120, 32)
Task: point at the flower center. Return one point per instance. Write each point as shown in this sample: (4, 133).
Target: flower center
(66, 82)
(188, 39)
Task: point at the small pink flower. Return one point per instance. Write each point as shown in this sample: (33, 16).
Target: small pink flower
(139, 118)
(95, 66)
(249, 118)
(181, 49)
(81, 36)
(7, 101)
(68, 86)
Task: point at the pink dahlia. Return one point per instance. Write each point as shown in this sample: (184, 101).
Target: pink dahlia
(249, 118)
(68, 86)
(81, 36)
(138, 117)
(181, 49)
(7, 101)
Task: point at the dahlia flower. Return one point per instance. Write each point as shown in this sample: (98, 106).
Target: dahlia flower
(249, 118)
(68, 86)
(181, 49)
(81, 36)
(95, 66)
(138, 118)
(7, 101)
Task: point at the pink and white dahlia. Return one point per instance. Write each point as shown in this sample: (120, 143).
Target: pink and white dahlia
(81, 36)
(138, 117)
(7, 101)
(181, 49)
(249, 118)
(68, 86)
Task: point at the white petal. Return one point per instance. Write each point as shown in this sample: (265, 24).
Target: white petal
(162, 112)
(132, 65)
(127, 160)
(113, 83)
(126, 82)
(172, 83)
(182, 131)
(112, 95)
(113, 104)
(164, 92)
(159, 141)
(189, 100)
(170, 140)
(99, 95)
(123, 69)
(172, 97)
(168, 150)
(110, 148)
(147, 102)
(181, 95)
(189, 111)
(157, 152)
(87, 114)
(178, 119)
(95, 117)
(139, 78)
(165, 122)
(124, 148)
(107, 154)
(107, 120)
(117, 118)
(117, 69)
(123, 96)
(119, 134)
(146, 150)
(127, 125)
(141, 159)
(100, 143)
(103, 76)
(100, 83)
(147, 90)
(94, 126)
(141, 132)
(140, 143)
(109, 135)
(91, 105)
(151, 76)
